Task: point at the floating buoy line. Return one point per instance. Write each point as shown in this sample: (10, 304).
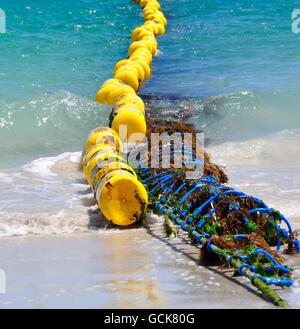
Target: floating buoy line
(233, 228)
(120, 195)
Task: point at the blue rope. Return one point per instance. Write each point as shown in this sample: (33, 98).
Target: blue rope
(164, 181)
(296, 244)
(241, 236)
(240, 269)
(282, 281)
(199, 209)
(260, 210)
(171, 188)
(287, 223)
(234, 192)
(208, 246)
(182, 225)
(180, 188)
(201, 224)
(272, 259)
(183, 199)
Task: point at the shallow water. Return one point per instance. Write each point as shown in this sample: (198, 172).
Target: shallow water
(43, 196)
(234, 64)
(268, 168)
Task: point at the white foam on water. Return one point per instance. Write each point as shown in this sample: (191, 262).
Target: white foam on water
(19, 224)
(5, 178)
(51, 124)
(274, 150)
(47, 196)
(268, 168)
(42, 166)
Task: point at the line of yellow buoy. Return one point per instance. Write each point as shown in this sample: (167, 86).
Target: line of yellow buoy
(130, 73)
(120, 195)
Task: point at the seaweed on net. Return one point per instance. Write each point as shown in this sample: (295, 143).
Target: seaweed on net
(171, 127)
(233, 228)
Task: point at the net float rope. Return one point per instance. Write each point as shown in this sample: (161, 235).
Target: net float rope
(238, 229)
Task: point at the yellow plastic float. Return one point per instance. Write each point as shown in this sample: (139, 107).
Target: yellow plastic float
(111, 90)
(133, 122)
(92, 153)
(106, 168)
(127, 107)
(131, 99)
(120, 196)
(103, 135)
(130, 73)
(100, 159)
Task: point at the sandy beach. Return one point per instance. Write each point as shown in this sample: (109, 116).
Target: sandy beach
(128, 269)
(123, 269)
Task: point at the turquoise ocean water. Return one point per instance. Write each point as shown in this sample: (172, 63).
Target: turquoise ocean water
(237, 62)
(230, 67)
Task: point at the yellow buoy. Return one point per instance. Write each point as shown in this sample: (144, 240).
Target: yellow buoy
(130, 124)
(111, 90)
(139, 44)
(99, 160)
(141, 60)
(128, 63)
(92, 152)
(121, 197)
(141, 32)
(147, 3)
(131, 98)
(129, 75)
(106, 88)
(108, 167)
(118, 92)
(142, 52)
(157, 28)
(103, 135)
(127, 106)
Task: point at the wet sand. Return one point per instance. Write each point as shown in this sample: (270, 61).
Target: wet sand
(120, 269)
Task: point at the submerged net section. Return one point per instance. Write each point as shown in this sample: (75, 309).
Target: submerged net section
(235, 229)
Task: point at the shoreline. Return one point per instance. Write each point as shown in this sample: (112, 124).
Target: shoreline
(125, 268)
(131, 269)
